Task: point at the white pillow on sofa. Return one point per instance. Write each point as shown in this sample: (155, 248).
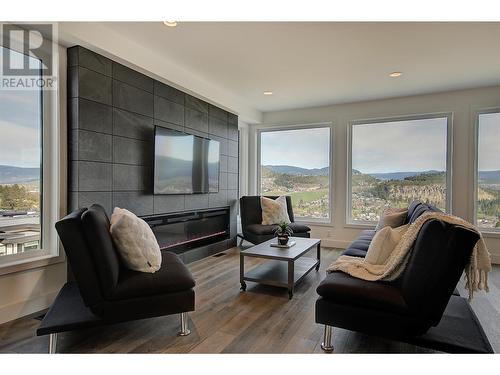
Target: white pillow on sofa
(135, 241)
(383, 244)
(392, 217)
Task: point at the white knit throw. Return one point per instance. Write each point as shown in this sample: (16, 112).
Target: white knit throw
(476, 271)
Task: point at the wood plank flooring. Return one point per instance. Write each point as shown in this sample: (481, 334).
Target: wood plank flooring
(226, 320)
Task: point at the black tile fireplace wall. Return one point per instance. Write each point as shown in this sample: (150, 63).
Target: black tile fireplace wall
(112, 112)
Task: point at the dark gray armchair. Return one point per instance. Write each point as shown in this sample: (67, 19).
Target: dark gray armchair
(251, 221)
(106, 292)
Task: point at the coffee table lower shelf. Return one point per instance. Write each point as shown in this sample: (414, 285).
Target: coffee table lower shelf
(277, 273)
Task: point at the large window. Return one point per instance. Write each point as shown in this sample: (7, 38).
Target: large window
(396, 161)
(20, 167)
(296, 162)
(488, 170)
(28, 171)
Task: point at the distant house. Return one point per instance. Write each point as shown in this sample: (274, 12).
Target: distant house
(19, 234)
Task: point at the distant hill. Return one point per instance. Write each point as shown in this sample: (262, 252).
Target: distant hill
(290, 169)
(400, 175)
(16, 175)
(489, 177)
(486, 177)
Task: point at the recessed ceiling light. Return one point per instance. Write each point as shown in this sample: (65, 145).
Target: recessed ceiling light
(170, 23)
(395, 74)
(268, 92)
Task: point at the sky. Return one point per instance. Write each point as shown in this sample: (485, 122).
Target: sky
(305, 148)
(417, 145)
(409, 146)
(489, 142)
(20, 128)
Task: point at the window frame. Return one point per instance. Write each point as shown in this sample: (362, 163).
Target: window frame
(349, 222)
(302, 126)
(52, 184)
(482, 111)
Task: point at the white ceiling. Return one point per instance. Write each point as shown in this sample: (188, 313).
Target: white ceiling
(311, 64)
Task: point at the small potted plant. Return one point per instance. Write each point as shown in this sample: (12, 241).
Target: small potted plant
(284, 231)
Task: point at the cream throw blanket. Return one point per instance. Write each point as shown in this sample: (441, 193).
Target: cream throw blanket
(476, 271)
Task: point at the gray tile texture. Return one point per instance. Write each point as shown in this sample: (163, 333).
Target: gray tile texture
(112, 112)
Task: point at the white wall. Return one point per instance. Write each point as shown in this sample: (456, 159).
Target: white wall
(461, 103)
(23, 293)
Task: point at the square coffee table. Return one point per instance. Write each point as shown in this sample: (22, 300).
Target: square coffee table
(285, 268)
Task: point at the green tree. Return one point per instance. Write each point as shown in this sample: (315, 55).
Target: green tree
(17, 197)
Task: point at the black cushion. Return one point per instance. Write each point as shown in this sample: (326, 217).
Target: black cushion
(411, 209)
(339, 287)
(433, 208)
(355, 252)
(260, 229)
(173, 276)
(367, 234)
(359, 247)
(416, 208)
(95, 225)
(417, 212)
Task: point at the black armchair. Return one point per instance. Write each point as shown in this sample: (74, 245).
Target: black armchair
(105, 291)
(251, 221)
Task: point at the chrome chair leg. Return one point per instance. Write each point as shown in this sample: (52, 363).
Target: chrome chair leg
(326, 345)
(53, 343)
(184, 325)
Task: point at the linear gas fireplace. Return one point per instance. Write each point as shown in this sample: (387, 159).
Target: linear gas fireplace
(184, 231)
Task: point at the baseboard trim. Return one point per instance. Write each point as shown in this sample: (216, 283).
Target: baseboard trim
(20, 309)
(330, 242)
(495, 258)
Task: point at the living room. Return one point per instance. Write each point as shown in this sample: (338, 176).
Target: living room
(279, 186)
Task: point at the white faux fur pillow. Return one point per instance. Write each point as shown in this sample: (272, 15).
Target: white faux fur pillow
(392, 217)
(383, 244)
(274, 211)
(135, 241)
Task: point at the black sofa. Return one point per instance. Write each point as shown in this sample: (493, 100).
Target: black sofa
(104, 291)
(251, 221)
(410, 308)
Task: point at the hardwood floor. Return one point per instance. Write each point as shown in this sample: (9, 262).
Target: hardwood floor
(226, 320)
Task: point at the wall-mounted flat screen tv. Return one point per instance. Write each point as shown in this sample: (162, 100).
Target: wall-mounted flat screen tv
(185, 163)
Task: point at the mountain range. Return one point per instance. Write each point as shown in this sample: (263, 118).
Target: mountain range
(399, 175)
(15, 175)
(488, 177)
(290, 169)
